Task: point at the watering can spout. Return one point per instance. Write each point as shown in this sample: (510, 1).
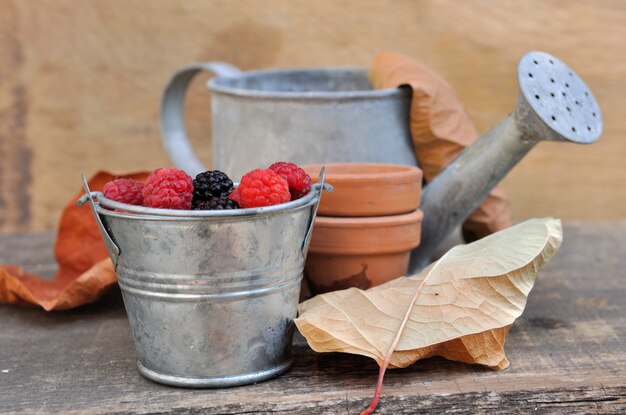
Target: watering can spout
(553, 104)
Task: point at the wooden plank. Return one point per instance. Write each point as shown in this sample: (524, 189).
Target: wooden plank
(567, 354)
(80, 82)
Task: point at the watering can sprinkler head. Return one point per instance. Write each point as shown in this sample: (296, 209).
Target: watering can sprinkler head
(553, 103)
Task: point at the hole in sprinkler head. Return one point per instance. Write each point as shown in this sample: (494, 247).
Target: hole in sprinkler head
(552, 94)
(552, 80)
(571, 74)
(551, 62)
(537, 97)
(593, 113)
(588, 128)
(577, 103)
(574, 129)
(568, 109)
(586, 93)
(553, 118)
(535, 62)
(529, 74)
(566, 85)
(563, 93)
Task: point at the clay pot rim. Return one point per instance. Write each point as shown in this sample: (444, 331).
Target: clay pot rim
(409, 224)
(401, 173)
(370, 221)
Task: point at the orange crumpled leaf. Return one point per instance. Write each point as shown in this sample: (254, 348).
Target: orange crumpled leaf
(441, 129)
(85, 271)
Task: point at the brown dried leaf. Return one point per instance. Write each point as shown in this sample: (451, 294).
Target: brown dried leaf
(85, 270)
(460, 307)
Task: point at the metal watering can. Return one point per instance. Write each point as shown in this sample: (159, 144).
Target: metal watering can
(333, 115)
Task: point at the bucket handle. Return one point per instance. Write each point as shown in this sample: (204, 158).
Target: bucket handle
(321, 186)
(173, 132)
(114, 250)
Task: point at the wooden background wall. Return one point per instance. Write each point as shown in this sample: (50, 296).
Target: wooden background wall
(80, 82)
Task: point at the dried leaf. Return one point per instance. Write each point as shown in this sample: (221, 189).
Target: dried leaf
(460, 307)
(85, 270)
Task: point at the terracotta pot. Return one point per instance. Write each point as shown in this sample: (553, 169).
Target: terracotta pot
(369, 189)
(360, 252)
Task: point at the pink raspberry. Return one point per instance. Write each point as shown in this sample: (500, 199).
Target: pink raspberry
(263, 188)
(168, 188)
(298, 179)
(124, 191)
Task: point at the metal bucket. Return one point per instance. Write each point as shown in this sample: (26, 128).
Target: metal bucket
(210, 295)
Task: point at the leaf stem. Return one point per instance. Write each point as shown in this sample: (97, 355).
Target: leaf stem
(379, 387)
(381, 373)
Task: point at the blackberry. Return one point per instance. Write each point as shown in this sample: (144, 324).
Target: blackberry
(221, 202)
(209, 184)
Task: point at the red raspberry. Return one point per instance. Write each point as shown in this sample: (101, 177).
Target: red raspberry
(234, 196)
(124, 191)
(168, 188)
(263, 188)
(299, 181)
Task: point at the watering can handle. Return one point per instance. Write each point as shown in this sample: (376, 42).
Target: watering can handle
(172, 121)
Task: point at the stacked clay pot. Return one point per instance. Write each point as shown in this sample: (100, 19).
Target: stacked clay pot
(365, 230)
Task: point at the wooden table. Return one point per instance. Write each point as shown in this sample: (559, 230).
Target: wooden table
(567, 353)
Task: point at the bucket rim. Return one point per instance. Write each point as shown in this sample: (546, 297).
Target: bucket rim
(141, 212)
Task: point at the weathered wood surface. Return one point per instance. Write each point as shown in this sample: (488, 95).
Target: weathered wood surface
(80, 82)
(567, 352)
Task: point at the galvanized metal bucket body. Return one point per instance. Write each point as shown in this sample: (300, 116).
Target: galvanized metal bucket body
(211, 296)
(300, 115)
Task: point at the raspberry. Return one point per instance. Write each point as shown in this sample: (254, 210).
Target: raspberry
(168, 188)
(234, 195)
(221, 202)
(263, 188)
(124, 191)
(299, 181)
(209, 184)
